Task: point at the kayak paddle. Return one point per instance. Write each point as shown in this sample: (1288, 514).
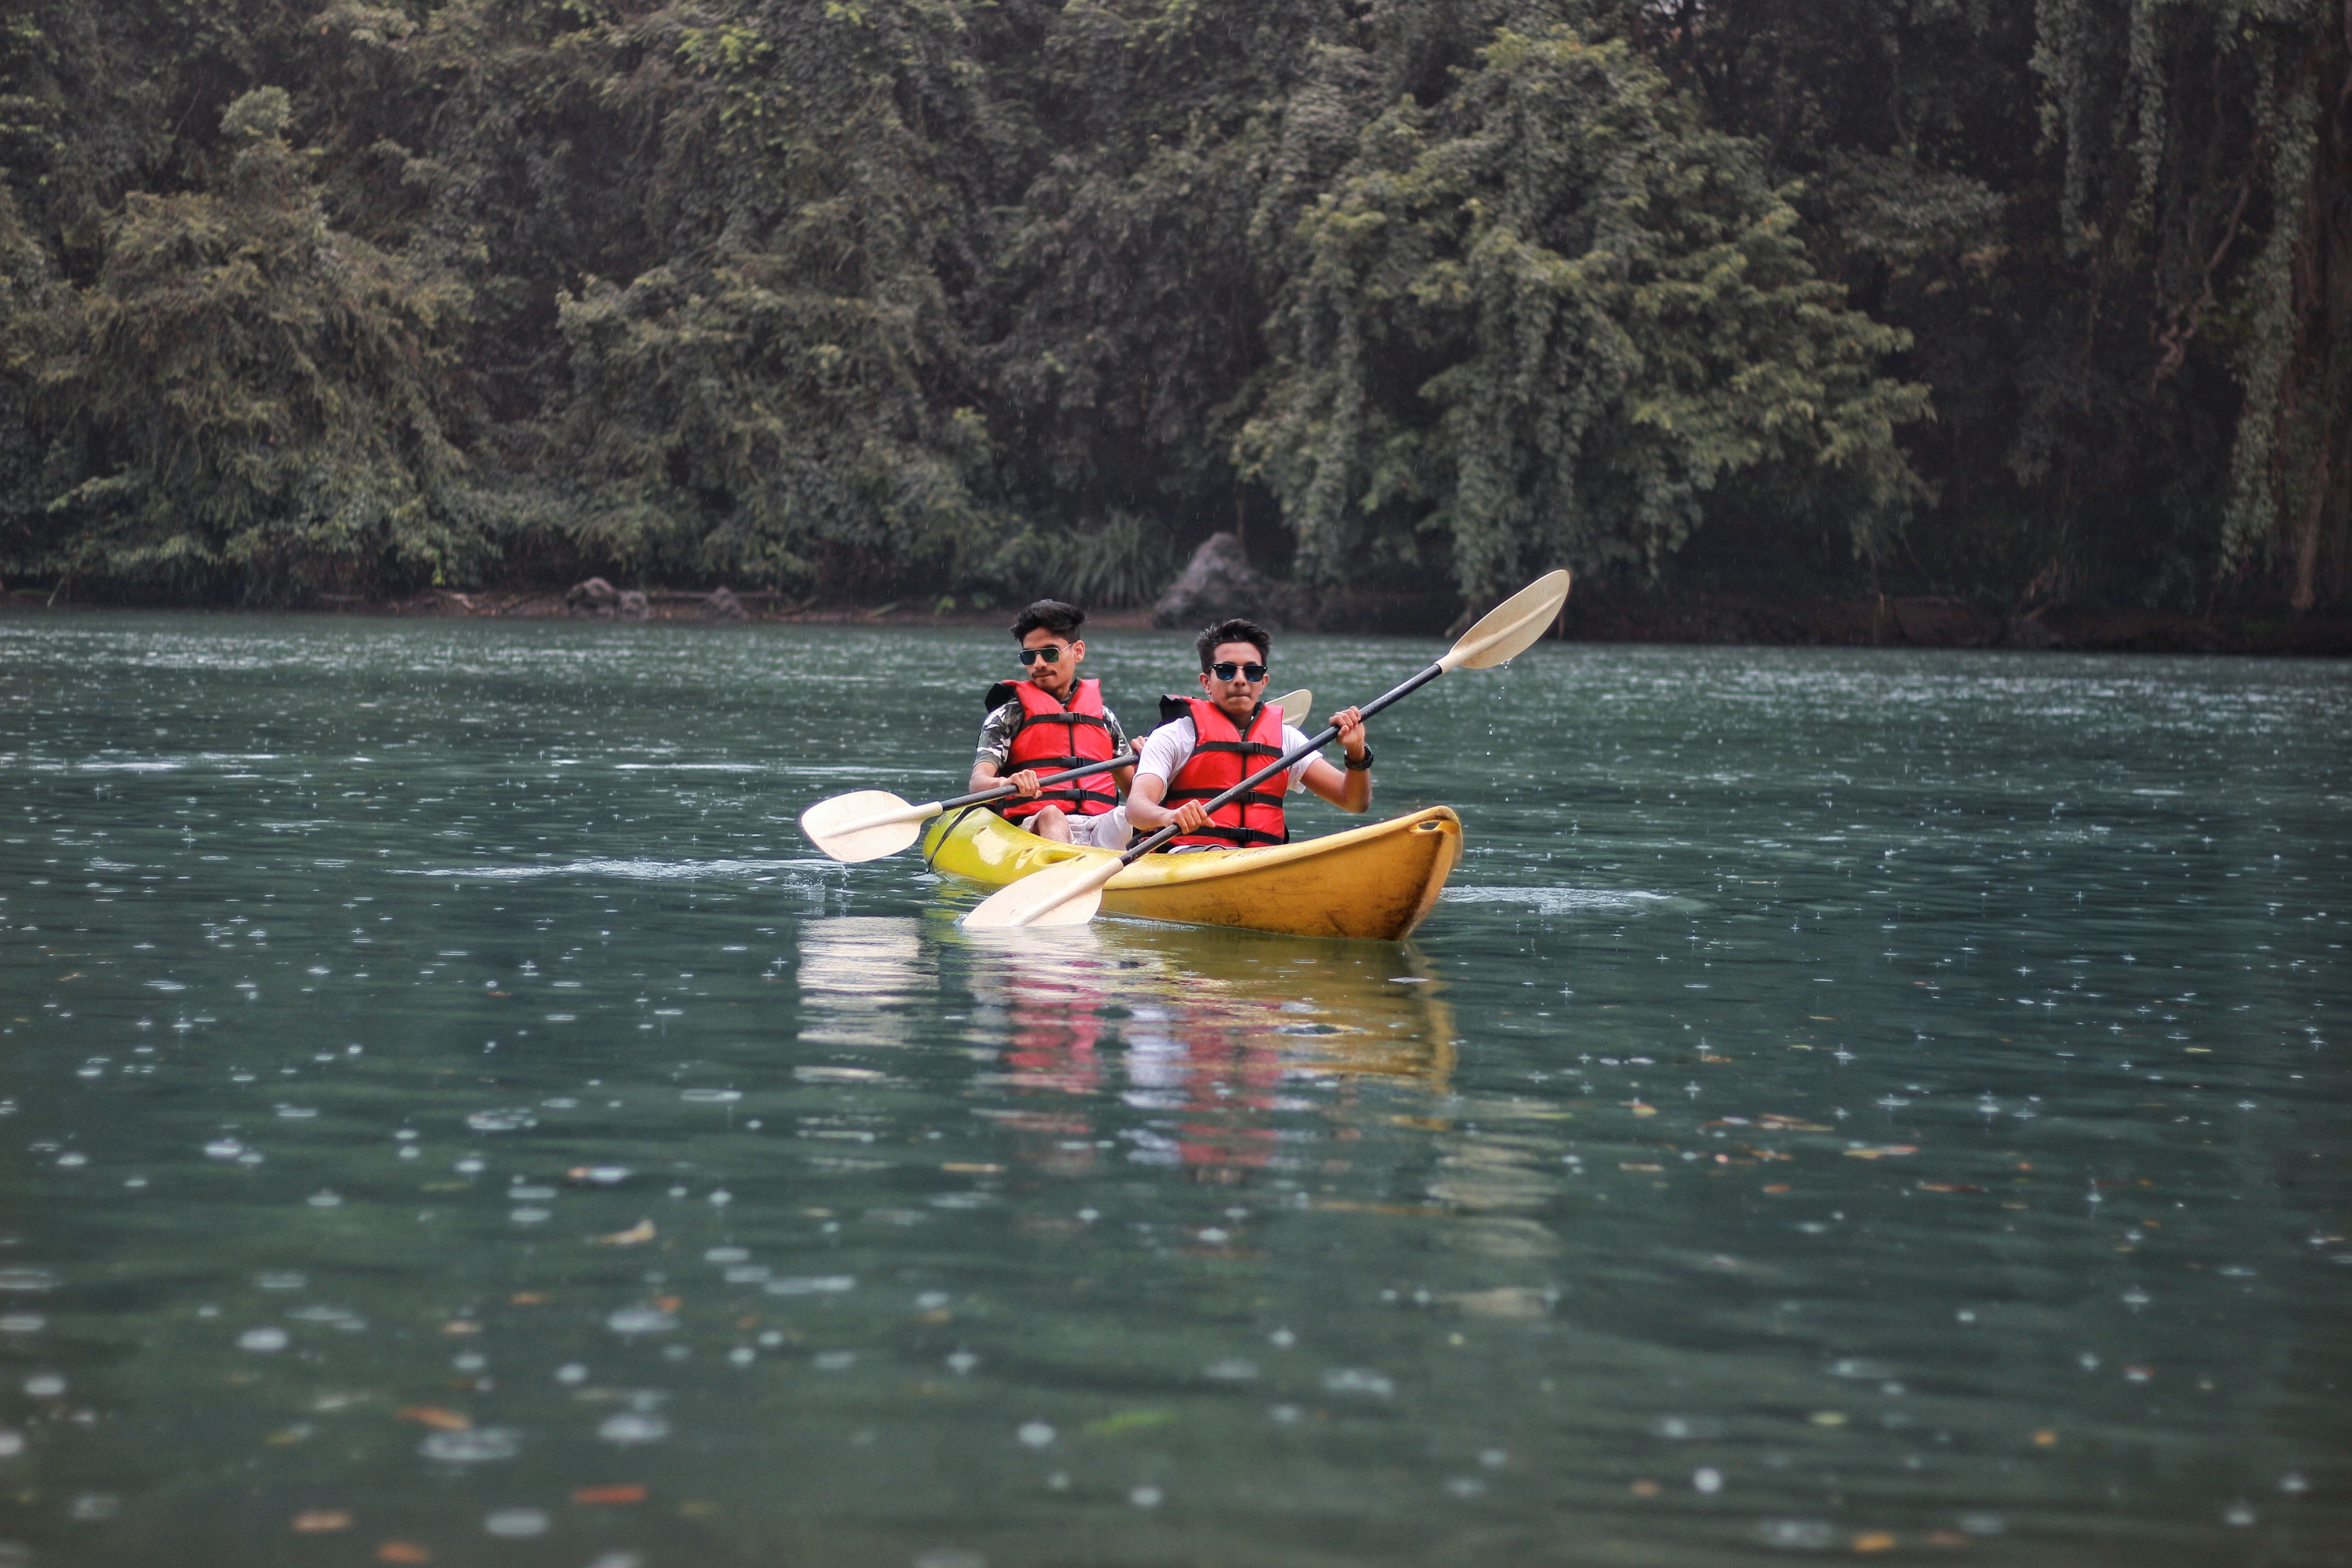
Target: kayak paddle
(867, 823)
(1068, 894)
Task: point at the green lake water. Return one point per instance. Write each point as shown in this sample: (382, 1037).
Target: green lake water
(1847, 1102)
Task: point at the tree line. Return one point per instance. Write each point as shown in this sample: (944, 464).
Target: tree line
(987, 297)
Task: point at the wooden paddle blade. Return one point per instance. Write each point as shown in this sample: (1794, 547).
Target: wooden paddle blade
(1295, 706)
(1063, 895)
(845, 828)
(1511, 627)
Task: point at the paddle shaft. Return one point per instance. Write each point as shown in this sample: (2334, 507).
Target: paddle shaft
(1329, 733)
(1120, 761)
(932, 808)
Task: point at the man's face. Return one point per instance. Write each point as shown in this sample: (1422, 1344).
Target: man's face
(1053, 661)
(1236, 693)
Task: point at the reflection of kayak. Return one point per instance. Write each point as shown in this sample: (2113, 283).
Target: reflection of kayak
(1334, 1008)
(1376, 881)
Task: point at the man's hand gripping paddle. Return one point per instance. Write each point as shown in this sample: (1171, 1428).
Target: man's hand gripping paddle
(1069, 894)
(867, 823)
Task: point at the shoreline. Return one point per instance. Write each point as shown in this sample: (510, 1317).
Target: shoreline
(1694, 619)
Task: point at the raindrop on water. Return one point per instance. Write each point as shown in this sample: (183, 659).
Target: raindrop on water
(1797, 1534)
(480, 1445)
(634, 1426)
(1357, 1380)
(516, 1523)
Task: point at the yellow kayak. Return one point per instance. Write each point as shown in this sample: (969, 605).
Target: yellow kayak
(1377, 882)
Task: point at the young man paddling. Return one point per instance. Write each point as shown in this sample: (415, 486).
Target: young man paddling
(1049, 723)
(1221, 738)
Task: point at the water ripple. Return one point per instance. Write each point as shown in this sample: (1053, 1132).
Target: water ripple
(1554, 901)
(628, 871)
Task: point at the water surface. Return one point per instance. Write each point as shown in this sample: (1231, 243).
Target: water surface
(1847, 1102)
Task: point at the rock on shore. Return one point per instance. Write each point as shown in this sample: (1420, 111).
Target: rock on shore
(1220, 584)
(596, 599)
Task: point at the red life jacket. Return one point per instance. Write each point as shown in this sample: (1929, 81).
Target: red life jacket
(1222, 757)
(1051, 738)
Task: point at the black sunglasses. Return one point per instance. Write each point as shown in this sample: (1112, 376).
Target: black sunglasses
(1227, 670)
(1031, 655)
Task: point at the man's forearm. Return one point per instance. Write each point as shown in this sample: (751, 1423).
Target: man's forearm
(1144, 812)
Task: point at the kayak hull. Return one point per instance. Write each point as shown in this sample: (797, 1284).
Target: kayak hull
(1377, 882)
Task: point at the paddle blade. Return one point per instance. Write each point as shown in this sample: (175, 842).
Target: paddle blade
(1063, 895)
(1511, 627)
(1295, 706)
(845, 827)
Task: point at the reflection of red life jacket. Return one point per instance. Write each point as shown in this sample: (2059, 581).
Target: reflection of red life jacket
(1051, 738)
(1222, 757)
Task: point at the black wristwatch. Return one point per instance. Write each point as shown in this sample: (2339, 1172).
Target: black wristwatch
(1354, 766)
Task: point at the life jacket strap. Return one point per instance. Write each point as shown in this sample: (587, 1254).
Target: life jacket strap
(1252, 797)
(1018, 806)
(1052, 765)
(1240, 838)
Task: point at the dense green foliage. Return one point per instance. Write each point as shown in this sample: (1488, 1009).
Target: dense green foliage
(253, 398)
(989, 297)
(1545, 320)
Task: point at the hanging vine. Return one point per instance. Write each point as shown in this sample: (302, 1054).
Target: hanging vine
(2203, 171)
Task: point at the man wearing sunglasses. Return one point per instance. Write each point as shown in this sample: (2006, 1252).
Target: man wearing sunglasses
(1051, 721)
(1205, 747)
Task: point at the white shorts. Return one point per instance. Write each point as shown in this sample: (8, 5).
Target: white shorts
(1104, 830)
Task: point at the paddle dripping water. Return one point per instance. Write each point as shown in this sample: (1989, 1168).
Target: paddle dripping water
(1846, 1102)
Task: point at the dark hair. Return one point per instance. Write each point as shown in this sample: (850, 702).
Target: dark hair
(1051, 614)
(1234, 630)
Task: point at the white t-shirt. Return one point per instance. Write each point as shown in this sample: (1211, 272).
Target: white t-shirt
(1167, 749)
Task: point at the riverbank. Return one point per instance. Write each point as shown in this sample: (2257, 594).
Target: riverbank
(1714, 618)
